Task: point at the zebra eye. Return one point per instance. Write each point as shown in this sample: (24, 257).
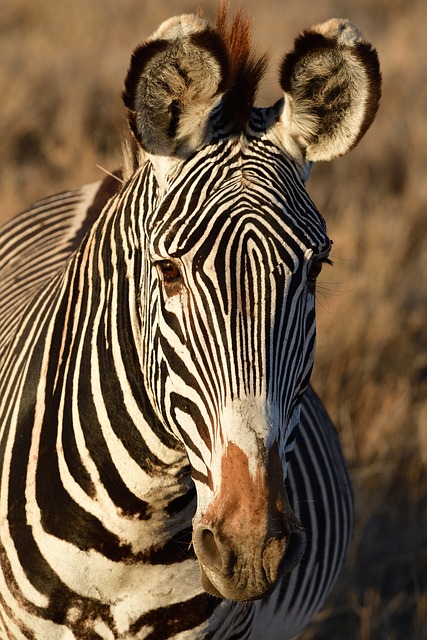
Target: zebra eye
(169, 270)
(314, 270)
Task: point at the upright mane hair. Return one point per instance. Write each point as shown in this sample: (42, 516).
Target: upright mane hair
(229, 41)
(246, 67)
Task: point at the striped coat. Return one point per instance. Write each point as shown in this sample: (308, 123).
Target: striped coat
(165, 470)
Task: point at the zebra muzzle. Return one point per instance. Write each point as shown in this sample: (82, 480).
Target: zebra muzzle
(244, 575)
(248, 538)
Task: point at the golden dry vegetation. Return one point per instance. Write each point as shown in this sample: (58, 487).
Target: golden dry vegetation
(61, 74)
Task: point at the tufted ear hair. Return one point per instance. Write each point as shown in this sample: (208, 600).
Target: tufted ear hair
(173, 83)
(332, 86)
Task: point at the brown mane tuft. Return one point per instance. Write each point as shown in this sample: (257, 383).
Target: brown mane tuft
(246, 67)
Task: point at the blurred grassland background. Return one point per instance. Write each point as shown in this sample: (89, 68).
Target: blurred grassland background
(61, 74)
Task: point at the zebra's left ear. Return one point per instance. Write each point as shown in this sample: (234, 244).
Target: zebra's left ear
(173, 83)
(332, 85)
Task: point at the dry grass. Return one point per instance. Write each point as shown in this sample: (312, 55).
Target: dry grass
(62, 71)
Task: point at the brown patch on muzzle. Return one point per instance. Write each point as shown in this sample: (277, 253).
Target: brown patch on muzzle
(249, 536)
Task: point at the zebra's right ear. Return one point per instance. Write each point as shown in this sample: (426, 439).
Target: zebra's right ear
(332, 85)
(173, 83)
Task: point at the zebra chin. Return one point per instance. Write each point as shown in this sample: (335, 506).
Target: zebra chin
(249, 575)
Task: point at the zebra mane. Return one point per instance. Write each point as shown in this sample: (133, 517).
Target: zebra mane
(246, 66)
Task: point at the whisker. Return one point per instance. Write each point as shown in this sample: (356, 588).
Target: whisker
(112, 175)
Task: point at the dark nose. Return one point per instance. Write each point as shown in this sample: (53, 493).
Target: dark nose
(215, 554)
(248, 568)
(296, 543)
(248, 536)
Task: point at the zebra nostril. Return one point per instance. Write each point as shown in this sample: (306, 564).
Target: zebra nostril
(210, 551)
(295, 548)
(210, 548)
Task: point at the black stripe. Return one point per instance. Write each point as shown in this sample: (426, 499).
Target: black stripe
(176, 618)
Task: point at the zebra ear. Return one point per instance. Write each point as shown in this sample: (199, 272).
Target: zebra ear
(332, 85)
(173, 83)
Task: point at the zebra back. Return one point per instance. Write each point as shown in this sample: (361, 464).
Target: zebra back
(35, 244)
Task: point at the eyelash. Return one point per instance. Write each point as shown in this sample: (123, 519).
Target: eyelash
(315, 270)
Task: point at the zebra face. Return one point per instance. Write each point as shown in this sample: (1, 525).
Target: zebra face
(230, 347)
(233, 246)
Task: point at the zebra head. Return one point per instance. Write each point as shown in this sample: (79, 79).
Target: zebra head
(232, 246)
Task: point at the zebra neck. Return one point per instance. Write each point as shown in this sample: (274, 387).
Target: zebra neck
(111, 477)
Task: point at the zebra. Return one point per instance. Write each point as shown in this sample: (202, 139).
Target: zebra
(166, 469)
